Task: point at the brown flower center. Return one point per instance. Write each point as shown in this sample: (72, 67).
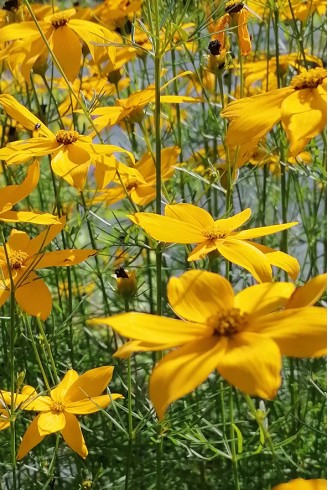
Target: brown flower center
(17, 259)
(233, 7)
(217, 231)
(67, 137)
(309, 79)
(131, 186)
(60, 19)
(228, 323)
(57, 407)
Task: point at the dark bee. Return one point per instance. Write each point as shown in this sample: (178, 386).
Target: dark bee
(37, 126)
(120, 272)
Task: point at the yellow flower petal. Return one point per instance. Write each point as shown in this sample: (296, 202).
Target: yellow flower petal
(252, 364)
(59, 393)
(63, 258)
(22, 115)
(73, 436)
(31, 438)
(67, 48)
(154, 329)
(253, 117)
(195, 216)
(300, 484)
(91, 405)
(248, 257)
(265, 298)
(263, 231)
(202, 249)
(34, 297)
(29, 217)
(280, 259)
(91, 383)
(198, 295)
(181, 371)
(166, 229)
(132, 346)
(235, 221)
(300, 332)
(306, 104)
(50, 422)
(43, 239)
(308, 294)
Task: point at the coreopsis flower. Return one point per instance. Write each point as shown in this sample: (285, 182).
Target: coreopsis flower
(236, 15)
(21, 256)
(65, 36)
(133, 106)
(72, 153)
(12, 194)
(242, 336)
(304, 99)
(261, 75)
(74, 395)
(301, 484)
(141, 190)
(186, 223)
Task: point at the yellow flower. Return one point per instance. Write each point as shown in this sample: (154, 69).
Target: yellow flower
(133, 106)
(305, 99)
(142, 190)
(186, 223)
(72, 153)
(20, 256)
(235, 15)
(75, 395)
(242, 336)
(12, 194)
(64, 35)
(300, 484)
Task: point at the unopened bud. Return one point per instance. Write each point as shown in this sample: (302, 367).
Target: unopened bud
(126, 282)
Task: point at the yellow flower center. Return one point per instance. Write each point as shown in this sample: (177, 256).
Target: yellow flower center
(309, 79)
(233, 7)
(67, 137)
(17, 259)
(60, 19)
(229, 322)
(217, 232)
(57, 407)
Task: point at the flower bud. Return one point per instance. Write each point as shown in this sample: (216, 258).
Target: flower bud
(126, 283)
